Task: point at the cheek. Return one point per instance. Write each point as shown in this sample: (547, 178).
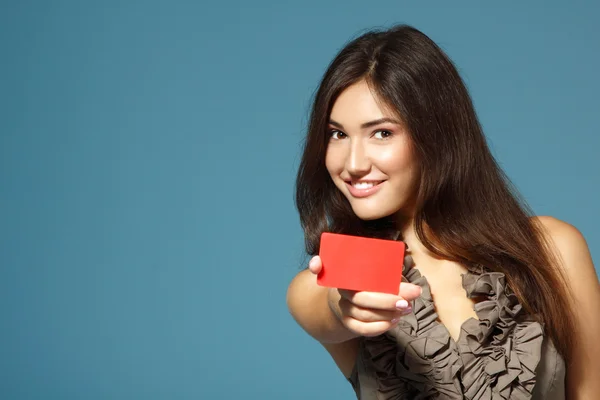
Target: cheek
(333, 161)
(328, 162)
(396, 159)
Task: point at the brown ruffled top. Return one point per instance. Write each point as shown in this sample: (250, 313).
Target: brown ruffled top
(499, 355)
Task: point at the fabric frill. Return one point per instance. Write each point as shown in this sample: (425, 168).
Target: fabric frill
(495, 356)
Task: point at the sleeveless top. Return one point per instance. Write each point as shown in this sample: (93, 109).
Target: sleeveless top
(501, 354)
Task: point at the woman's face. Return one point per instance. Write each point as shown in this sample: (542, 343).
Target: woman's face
(369, 155)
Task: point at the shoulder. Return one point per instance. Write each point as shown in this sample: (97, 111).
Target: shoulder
(558, 229)
(572, 253)
(569, 245)
(575, 261)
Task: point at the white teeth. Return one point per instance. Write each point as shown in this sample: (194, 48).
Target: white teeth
(363, 185)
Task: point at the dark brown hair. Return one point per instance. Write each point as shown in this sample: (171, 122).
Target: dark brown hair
(466, 208)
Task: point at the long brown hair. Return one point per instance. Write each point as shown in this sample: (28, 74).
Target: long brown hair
(466, 208)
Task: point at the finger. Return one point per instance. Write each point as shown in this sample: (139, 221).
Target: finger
(368, 314)
(315, 265)
(370, 328)
(374, 300)
(409, 291)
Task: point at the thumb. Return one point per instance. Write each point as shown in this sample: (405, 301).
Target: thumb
(315, 265)
(409, 291)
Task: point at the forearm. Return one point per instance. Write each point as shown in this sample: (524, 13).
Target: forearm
(310, 306)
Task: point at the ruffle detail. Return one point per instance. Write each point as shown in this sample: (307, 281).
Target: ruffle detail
(381, 354)
(417, 359)
(500, 350)
(495, 356)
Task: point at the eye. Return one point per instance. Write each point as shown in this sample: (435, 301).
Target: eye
(336, 135)
(382, 135)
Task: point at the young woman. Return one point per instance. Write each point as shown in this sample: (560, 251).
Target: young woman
(495, 303)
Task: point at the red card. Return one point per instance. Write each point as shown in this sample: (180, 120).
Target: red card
(360, 263)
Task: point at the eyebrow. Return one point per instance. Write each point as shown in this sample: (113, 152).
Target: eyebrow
(368, 124)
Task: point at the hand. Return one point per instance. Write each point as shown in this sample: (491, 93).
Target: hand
(368, 313)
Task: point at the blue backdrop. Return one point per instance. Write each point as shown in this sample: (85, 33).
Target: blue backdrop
(148, 153)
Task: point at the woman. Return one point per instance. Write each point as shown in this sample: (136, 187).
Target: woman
(494, 303)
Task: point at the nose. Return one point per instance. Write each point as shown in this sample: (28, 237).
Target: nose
(357, 162)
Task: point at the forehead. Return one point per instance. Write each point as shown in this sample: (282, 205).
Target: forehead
(358, 103)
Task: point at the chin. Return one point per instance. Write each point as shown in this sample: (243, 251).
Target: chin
(369, 214)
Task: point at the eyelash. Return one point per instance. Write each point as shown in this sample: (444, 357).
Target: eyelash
(331, 133)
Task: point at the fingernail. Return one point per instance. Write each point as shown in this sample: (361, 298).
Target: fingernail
(420, 290)
(401, 304)
(407, 311)
(395, 320)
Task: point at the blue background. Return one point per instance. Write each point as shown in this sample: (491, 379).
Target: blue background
(148, 153)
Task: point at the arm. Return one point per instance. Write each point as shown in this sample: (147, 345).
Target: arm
(335, 315)
(582, 381)
(309, 305)
(337, 318)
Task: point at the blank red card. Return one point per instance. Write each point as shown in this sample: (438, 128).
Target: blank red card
(360, 263)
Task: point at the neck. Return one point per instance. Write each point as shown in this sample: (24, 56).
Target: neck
(408, 234)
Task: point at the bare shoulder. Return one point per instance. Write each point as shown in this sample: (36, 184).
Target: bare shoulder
(557, 228)
(574, 258)
(570, 246)
(576, 263)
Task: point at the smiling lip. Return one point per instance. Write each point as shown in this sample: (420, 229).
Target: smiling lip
(360, 193)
